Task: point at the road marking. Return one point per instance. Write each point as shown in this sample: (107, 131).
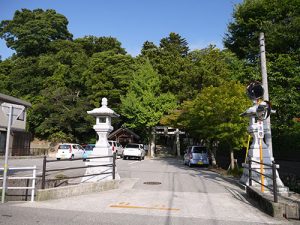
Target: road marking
(143, 207)
(133, 162)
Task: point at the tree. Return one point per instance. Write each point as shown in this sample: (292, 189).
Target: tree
(278, 19)
(175, 44)
(108, 75)
(214, 115)
(92, 44)
(30, 32)
(144, 105)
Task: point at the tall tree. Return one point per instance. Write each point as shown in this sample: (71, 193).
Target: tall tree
(144, 105)
(174, 43)
(278, 19)
(215, 115)
(30, 32)
(108, 75)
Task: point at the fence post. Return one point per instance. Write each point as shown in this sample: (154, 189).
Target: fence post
(33, 183)
(26, 191)
(114, 166)
(250, 172)
(274, 181)
(44, 172)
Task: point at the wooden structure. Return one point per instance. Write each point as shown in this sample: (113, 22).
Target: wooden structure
(124, 136)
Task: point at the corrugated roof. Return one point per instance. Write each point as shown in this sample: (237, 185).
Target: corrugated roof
(13, 100)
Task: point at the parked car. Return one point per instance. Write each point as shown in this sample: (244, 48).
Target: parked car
(196, 155)
(134, 150)
(88, 149)
(69, 151)
(116, 147)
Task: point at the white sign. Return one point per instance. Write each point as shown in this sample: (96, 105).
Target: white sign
(17, 110)
(260, 129)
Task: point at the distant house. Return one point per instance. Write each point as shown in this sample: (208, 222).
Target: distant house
(124, 136)
(19, 139)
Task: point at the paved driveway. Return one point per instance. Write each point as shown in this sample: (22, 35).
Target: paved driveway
(160, 191)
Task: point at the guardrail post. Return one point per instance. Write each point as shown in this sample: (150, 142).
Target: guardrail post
(44, 172)
(274, 182)
(250, 172)
(33, 183)
(114, 166)
(26, 191)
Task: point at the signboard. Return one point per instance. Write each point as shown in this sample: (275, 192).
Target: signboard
(260, 128)
(17, 110)
(12, 111)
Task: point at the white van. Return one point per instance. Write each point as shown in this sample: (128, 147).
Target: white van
(116, 147)
(69, 151)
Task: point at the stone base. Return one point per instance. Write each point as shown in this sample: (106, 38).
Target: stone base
(102, 177)
(267, 181)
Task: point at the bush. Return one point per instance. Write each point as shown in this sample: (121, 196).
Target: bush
(236, 172)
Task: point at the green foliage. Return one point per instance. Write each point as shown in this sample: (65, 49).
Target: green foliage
(30, 32)
(280, 22)
(144, 104)
(174, 44)
(108, 75)
(170, 61)
(278, 19)
(215, 114)
(236, 172)
(92, 44)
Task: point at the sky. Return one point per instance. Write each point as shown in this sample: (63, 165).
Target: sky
(132, 22)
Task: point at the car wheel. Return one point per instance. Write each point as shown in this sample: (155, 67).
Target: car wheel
(124, 157)
(58, 158)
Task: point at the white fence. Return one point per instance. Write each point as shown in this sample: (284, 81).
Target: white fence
(33, 178)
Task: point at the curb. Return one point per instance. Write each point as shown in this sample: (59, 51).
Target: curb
(281, 209)
(24, 157)
(75, 190)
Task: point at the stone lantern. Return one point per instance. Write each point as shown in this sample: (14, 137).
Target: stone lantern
(257, 128)
(102, 127)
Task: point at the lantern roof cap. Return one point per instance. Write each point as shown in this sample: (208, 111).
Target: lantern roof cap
(103, 110)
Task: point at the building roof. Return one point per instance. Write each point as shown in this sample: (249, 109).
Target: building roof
(116, 132)
(13, 100)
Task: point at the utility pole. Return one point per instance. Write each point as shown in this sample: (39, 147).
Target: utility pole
(268, 135)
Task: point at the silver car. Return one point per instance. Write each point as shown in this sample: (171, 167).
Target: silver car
(196, 155)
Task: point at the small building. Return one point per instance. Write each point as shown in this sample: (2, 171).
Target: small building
(19, 139)
(124, 136)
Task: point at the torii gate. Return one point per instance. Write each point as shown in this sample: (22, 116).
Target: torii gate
(166, 131)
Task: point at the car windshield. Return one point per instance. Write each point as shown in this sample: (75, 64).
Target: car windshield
(64, 147)
(199, 149)
(89, 147)
(132, 146)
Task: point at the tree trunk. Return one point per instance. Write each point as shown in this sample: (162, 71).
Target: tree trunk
(177, 142)
(231, 159)
(213, 152)
(152, 142)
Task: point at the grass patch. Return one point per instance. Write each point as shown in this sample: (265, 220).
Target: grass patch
(236, 172)
(61, 176)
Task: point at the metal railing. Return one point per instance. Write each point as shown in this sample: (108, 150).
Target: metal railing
(45, 170)
(33, 178)
(273, 166)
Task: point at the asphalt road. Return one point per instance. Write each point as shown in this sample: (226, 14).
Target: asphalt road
(159, 191)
